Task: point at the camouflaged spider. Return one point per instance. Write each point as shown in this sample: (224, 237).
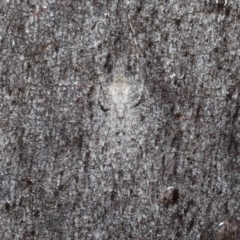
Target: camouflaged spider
(118, 99)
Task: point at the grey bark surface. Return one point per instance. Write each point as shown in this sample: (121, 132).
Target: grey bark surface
(158, 160)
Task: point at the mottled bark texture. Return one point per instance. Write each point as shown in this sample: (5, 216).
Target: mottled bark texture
(158, 160)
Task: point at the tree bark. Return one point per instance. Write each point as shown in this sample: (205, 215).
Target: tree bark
(119, 119)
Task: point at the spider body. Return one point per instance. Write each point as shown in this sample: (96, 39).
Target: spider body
(119, 94)
(118, 99)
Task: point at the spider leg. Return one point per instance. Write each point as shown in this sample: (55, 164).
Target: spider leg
(137, 97)
(102, 141)
(107, 140)
(100, 154)
(141, 146)
(102, 100)
(137, 100)
(143, 154)
(112, 136)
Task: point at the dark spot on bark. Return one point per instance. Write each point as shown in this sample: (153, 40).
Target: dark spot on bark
(36, 213)
(235, 114)
(86, 162)
(178, 116)
(89, 94)
(190, 224)
(131, 192)
(27, 181)
(56, 47)
(198, 112)
(118, 39)
(150, 43)
(178, 234)
(227, 12)
(108, 64)
(55, 193)
(32, 232)
(175, 195)
(233, 145)
(149, 63)
(178, 22)
(170, 196)
(14, 204)
(220, 7)
(219, 67)
(142, 118)
(7, 206)
(21, 27)
(78, 100)
(120, 173)
(139, 8)
(113, 195)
